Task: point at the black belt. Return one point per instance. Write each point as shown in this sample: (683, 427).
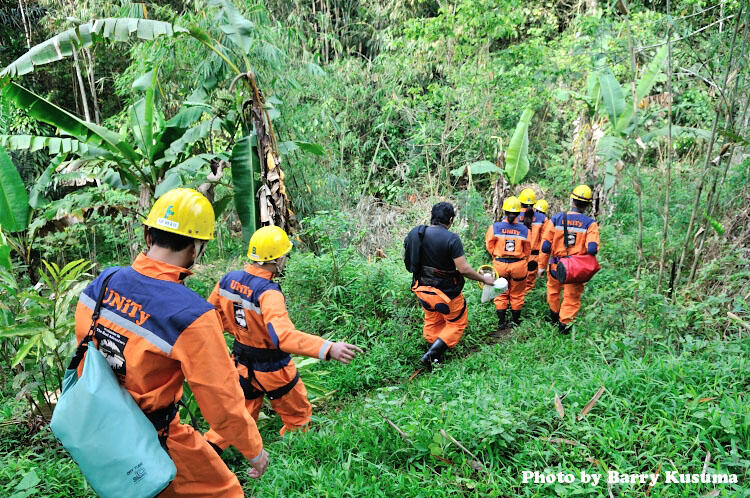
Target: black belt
(508, 260)
(248, 355)
(535, 253)
(162, 417)
(252, 393)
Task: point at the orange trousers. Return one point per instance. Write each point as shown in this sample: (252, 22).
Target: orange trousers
(571, 299)
(531, 276)
(200, 470)
(293, 407)
(515, 274)
(444, 318)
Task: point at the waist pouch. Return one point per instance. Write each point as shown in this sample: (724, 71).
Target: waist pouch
(450, 282)
(113, 442)
(577, 269)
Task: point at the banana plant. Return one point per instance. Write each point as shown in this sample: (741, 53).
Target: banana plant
(620, 111)
(152, 155)
(517, 155)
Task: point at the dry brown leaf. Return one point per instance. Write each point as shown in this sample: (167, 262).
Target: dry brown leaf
(559, 440)
(591, 403)
(559, 407)
(715, 492)
(705, 462)
(593, 460)
(651, 485)
(706, 400)
(415, 373)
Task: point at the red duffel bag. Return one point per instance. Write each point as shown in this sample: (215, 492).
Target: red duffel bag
(576, 269)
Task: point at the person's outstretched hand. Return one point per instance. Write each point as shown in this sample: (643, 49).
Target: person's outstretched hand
(343, 352)
(259, 467)
(488, 279)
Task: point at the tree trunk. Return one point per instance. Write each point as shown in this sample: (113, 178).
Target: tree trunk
(82, 89)
(88, 59)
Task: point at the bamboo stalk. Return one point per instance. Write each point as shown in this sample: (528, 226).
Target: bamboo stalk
(712, 197)
(668, 180)
(639, 190)
(707, 163)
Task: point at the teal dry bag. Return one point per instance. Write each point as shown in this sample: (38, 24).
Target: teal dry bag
(99, 423)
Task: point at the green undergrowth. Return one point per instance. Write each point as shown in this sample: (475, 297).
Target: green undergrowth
(674, 377)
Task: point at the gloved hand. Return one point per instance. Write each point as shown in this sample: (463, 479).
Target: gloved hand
(533, 265)
(540, 272)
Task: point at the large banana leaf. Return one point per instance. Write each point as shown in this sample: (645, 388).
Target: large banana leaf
(47, 112)
(643, 88)
(14, 201)
(62, 44)
(142, 113)
(36, 195)
(610, 149)
(517, 155)
(244, 162)
(54, 145)
(612, 96)
(192, 135)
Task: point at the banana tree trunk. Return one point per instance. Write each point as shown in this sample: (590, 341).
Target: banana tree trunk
(274, 205)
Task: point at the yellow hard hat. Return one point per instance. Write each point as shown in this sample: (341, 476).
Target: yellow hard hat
(541, 205)
(527, 196)
(268, 243)
(183, 211)
(512, 205)
(582, 193)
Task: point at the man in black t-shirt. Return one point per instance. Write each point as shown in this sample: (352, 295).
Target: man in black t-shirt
(435, 256)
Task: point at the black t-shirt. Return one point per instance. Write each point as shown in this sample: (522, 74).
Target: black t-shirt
(440, 247)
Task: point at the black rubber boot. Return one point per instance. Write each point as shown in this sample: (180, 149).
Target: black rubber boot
(553, 318)
(516, 320)
(563, 329)
(501, 323)
(434, 354)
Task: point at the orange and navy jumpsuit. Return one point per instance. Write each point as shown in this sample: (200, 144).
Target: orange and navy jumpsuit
(445, 317)
(156, 333)
(583, 238)
(538, 225)
(509, 245)
(253, 310)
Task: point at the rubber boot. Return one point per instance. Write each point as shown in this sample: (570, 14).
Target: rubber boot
(516, 320)
(501, 323)
(553, 318)
(563, 328)
(434, 355)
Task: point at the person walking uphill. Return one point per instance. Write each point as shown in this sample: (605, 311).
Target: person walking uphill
(508, 243)
(583, 238)
(534, 221)
(435, 257)
(253, 310)
(156, 333)
(538, 226)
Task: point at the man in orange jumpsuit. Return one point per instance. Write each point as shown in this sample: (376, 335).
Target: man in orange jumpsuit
(435, 257)
(507, 241)
(583, 238)
(156, 333)
(253, 310)
(539, 224)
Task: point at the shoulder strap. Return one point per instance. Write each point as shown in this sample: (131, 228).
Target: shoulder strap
(81, 349)
(565, 231)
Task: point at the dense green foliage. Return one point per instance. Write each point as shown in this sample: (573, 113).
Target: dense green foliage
(411, 101)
